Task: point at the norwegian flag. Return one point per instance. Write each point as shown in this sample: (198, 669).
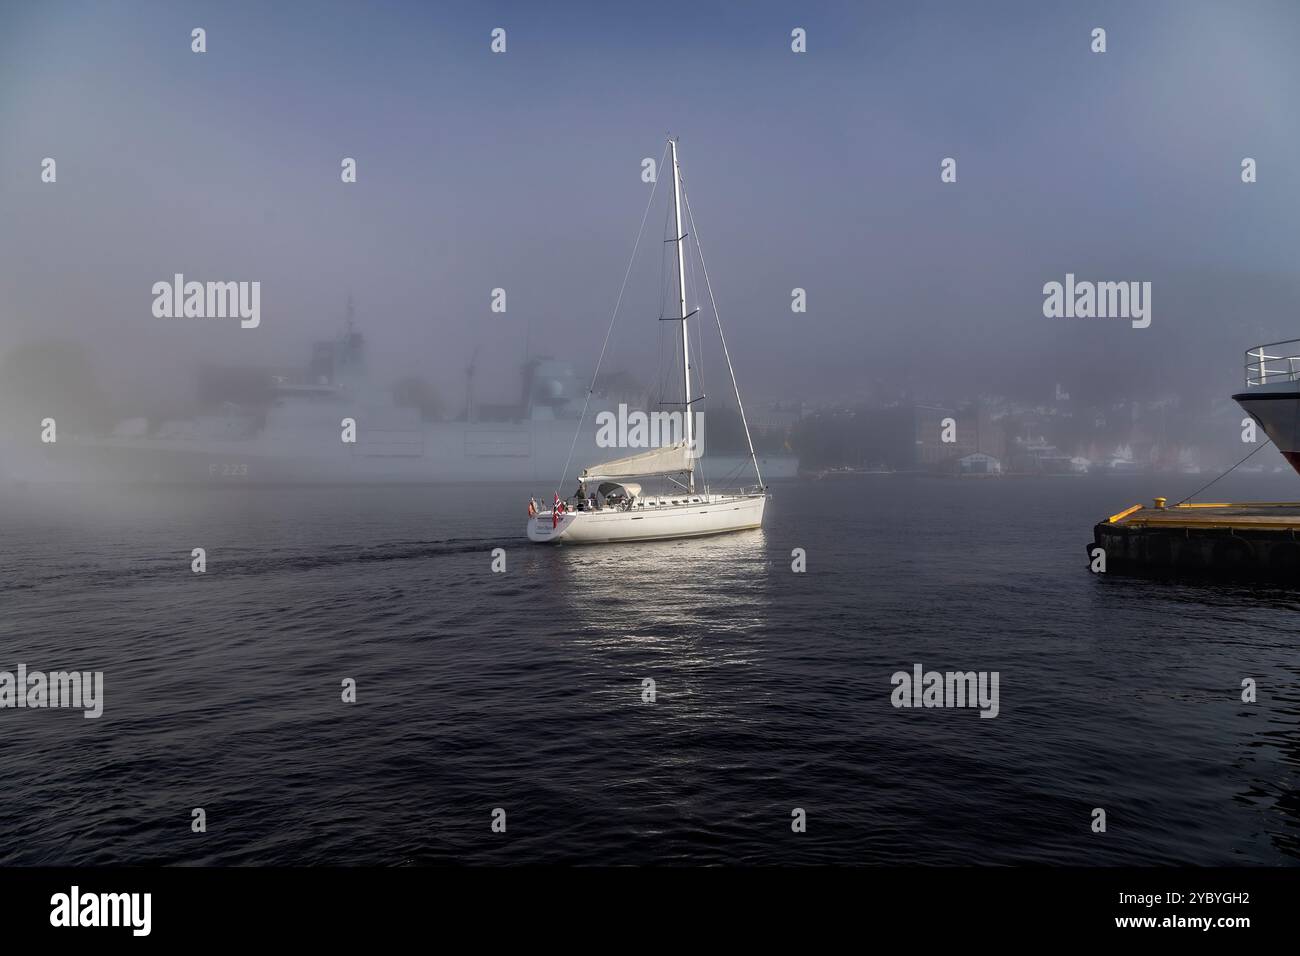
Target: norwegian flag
(555, 511)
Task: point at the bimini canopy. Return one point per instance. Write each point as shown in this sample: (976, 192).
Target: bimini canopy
(618, 490)
(668, 460)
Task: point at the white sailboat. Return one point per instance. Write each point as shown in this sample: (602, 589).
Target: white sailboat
(611, 507)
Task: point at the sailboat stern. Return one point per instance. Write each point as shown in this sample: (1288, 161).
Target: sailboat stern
(542, 531)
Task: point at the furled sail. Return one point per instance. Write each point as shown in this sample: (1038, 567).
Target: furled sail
(667, 460)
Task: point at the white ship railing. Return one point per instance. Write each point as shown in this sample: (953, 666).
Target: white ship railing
(1273, 363)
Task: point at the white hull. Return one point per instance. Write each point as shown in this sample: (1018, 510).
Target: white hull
(713, 514)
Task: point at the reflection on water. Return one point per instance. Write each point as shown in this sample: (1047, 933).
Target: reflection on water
(688, 614)
(524, 689)
(686, 588)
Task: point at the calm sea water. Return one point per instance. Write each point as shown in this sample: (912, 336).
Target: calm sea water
(523, 690)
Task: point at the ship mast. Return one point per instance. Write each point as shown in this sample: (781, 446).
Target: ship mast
(681, 301)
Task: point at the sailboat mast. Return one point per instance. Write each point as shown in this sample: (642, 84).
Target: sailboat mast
(681, 300)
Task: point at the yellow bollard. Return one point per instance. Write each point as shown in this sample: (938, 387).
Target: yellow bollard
(1160, 504)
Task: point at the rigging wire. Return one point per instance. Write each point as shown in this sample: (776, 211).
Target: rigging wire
(612, 319)
(1267, 442)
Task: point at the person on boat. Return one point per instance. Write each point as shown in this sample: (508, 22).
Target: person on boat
(532, 507)
(591, 502)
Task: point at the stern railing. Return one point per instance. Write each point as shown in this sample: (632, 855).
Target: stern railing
(1273, 363)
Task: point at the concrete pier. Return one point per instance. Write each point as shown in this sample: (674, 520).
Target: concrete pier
(1229, 539)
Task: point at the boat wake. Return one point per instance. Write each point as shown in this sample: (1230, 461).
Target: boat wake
(243, 563)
